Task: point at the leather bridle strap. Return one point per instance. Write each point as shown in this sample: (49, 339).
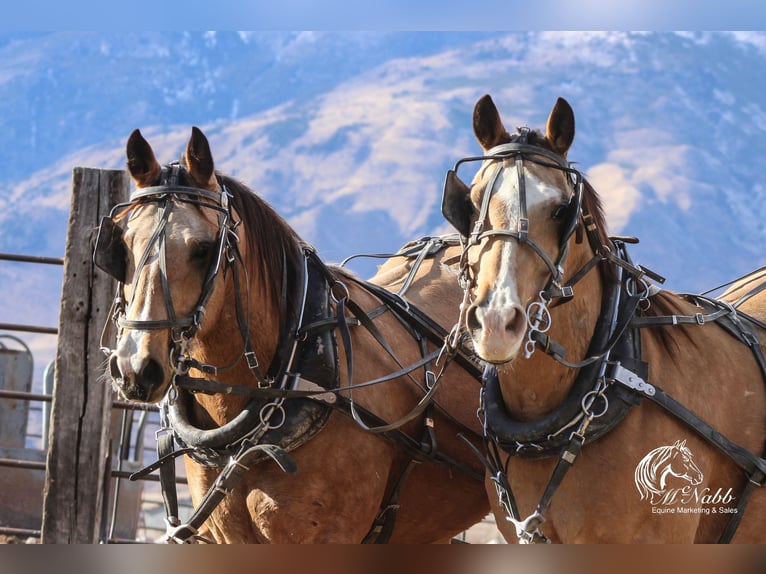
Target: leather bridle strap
(521, 152)
(157, 238)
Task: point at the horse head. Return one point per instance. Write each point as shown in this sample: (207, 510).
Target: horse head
(518, 216)
(172, 236)
(681, 464)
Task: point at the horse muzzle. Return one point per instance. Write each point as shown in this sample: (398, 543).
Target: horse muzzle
(497, 333)
(143, 380)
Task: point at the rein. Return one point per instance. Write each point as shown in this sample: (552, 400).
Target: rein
(613, 377)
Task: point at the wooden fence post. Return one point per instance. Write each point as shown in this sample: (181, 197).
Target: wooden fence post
(81, 408)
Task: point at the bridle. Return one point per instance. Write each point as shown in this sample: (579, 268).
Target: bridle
(576, 219)
(520, 151)
(110, 255)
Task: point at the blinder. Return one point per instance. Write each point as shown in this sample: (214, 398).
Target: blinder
(110, 253)
(457, 208)
(573, 210)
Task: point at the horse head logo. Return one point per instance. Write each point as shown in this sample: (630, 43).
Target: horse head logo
(655, 468)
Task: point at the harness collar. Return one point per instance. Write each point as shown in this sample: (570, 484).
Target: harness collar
(299, 361)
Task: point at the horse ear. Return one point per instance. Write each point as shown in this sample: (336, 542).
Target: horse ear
(560, 129)
(142, 165)
(487, 125)
(199, 160)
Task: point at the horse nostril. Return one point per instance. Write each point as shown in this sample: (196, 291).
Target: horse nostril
(472, 319)
(114, 368)
(151, 375)
(516, 320)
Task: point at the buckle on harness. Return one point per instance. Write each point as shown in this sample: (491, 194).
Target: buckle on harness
(252, 360)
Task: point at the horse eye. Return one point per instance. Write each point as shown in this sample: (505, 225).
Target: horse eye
(201, 251)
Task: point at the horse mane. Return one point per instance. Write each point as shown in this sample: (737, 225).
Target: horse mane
(270, 240)
(595, 207)
(666, 303)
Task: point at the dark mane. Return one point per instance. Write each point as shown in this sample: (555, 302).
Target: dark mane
(271, 242)
(593, 205)
(666, 303)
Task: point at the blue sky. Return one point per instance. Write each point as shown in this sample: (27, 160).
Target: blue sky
(389, 15)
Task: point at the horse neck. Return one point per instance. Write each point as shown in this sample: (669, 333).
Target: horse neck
(535, 386)
(223, 344)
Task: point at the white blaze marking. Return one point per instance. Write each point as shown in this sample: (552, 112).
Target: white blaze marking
(506, 191)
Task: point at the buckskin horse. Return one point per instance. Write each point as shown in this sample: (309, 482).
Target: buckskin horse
(591, 365)
(312, 406)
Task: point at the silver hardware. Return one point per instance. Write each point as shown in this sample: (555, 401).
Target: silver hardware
(343, 291)
(528, 530)
(631, 380)
(302, 384)
(268, 411)
(538, 321)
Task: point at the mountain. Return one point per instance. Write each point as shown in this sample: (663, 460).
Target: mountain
(349, 135)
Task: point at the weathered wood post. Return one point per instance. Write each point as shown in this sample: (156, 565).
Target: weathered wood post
(81, 408)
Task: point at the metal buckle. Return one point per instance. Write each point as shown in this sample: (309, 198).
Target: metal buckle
(252, 360)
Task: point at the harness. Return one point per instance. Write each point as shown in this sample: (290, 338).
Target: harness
(296, 395)
(613, 377)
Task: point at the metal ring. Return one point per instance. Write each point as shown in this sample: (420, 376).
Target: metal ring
(275, 407)
(541, 310)
(344, 293)
(595, 395)
(529, 348)
(630, 287)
